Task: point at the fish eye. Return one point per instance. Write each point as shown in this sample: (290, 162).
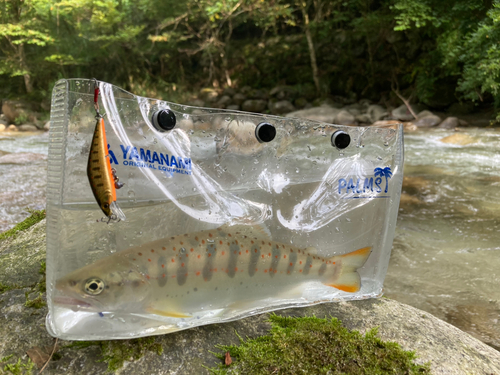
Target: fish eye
(94, 286)
(105, 205)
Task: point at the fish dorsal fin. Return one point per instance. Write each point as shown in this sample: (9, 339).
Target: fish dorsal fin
(253, 231)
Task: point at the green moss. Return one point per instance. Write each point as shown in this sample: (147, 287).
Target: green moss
(311, 345)
(18, 368)
(35, 217)
(116, 352)
(36, 303)
(5, 288)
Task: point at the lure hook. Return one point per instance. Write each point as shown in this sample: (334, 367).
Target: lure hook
(96, 99)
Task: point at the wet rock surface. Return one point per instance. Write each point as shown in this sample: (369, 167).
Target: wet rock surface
(449, 350)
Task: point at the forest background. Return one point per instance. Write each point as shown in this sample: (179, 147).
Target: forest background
(437, 52)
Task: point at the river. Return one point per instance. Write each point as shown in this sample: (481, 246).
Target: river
(446, 253)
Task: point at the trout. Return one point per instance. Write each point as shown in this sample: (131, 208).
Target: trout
(228, 268)
(102, 177)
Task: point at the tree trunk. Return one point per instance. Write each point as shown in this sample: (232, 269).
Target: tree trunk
(310, 44)
(27, 77)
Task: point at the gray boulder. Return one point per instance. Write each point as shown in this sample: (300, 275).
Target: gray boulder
(254, 105)
(224, 101)
(22, 327)
(344, 118)
(239, 98)
(281, 107)
(449, 123)
(364, 119)
(47, 126)
(208, 95)
(402, 113)
(376, 112)
(324, 113)
(426, 119)
(233, 107)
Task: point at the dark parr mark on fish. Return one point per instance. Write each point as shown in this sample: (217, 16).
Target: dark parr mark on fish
(182, 272)
(254, 258)
(293, 261)
(322, 269)
(162, 280)
(233, 260)
(207, 269)
(276, 257)
(308, 265)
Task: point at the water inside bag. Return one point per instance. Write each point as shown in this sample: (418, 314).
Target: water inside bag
(218, 225)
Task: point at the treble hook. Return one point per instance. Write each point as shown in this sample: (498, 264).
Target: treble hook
(96, 99)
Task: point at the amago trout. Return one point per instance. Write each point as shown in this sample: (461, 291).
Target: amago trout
(226, 268)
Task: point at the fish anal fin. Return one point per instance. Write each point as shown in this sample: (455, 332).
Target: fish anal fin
(170, 314)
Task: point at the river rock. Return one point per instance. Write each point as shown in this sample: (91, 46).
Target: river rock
(196, 103)
(239, 98)
(449, 350)
(12, 128)
(2, 127)
(254, 105)
(300, 103)
(364, 119)
(324, 113)
(28, 128)
(229, 91)
(426, 119)
(376, 112)
(208, 95)
(402, 113)
(449, 123)
(281, 107)
(224, 101)
(283, 92)
(46, 127)
(459, 139)
(354, 111)
(258, 94)
(344, 118)
(233, 107)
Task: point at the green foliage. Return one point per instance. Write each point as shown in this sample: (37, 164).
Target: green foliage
(35, 217)
(310, 345)
(161, 48)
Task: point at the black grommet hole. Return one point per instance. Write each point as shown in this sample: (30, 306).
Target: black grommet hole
(265, 132)
(341, 139)
(164, 120)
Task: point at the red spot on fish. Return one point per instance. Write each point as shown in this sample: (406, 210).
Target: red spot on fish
(220, 242)
(182, 265)
(300, 271)
(164, 248)
(277, 271)
(269, 254)
(236, 269)
(196, 238)
(192, 249)
(147, 277)
(203, 242)
(291, 264)
(163, 275)
(298, 251)
(162, 266)
(256, 269)
(288, 272)
(229, 234)
(210, 235)
(149, 260)
(310, 266)
(239, 253)
(152, 251)
(205, 279)
(284, 256)
(235, 252)
(246, 251)
(198, 273)
(269, 243)
(174, 248)
(186, 274)
(134, 259)
(173, 277)
(223, 252)
(228, 244)
(199, 256)
(276, 257)
(262, 256)
(252, 242)
(182, 243)
(255, 250)
(333, 263)
(209, 255)
(215, 269)
(140, 253)
(236, 242)
(173, 261)
(265, 271)
(300, 262)
(187, 255)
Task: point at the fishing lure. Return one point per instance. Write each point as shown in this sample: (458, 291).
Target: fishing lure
(102, 178)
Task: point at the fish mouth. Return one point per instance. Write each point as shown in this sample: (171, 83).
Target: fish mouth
(74, 303)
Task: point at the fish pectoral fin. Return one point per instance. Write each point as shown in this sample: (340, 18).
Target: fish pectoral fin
(170, 314)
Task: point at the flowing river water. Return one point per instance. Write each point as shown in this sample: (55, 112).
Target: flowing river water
(446, 253)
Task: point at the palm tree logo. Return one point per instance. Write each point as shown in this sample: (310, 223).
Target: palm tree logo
(386, 172)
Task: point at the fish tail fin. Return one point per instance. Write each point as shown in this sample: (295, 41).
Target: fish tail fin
(346, 277)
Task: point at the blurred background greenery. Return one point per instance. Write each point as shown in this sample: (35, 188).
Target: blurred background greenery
(437, 52)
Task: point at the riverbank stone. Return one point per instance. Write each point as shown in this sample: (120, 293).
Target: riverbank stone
(28, 128)
(449, 123)
(324, 113)
(449, 350)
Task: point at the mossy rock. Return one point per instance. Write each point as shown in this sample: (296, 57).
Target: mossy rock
(23, 311)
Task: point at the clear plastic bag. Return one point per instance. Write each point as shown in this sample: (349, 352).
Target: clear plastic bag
(218, 223)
